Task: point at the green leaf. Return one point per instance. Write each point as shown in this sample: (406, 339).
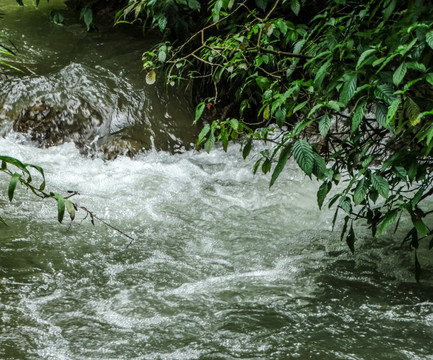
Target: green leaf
(282, 160)
(71, 209)
(363, 57)
(203, 133)
(420, 226)
(324, 124)
(60, 206)
(387, 221)
(87, 16)
(266, 166)
(360, 192)
(319, 168)
(345, 204)
(247, 148)
(349, 87)
(429, 78)
(320, 75)
(385, 92)
(429, 38)
(417, 268)
(392, 111)
(380, 185)
(210, 142)
(358, 116)
(323, 191)
(303, 154)
(381, 112)
(2, 221)
(280, 116)
(194, 5)
(295, 5)
(199, 111)
(350, 239)
(412, 111)
(12, 185)
(399, 74)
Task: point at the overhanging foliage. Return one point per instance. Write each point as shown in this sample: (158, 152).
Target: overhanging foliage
(344, 87)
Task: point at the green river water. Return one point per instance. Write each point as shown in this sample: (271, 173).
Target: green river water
(221, 268)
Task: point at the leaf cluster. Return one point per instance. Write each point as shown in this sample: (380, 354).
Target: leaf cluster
(343, 87)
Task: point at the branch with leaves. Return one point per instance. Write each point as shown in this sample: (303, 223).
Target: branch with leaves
(20, 173)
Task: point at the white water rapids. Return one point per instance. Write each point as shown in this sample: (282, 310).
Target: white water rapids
(222, 267)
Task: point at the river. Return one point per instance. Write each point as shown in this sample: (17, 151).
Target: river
(222, 267)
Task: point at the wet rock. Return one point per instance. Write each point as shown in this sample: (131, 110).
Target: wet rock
(48, 126)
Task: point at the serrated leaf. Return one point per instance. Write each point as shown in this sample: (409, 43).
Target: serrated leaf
(12, 185)
(380, 185)
(399, 74)
(323, 191)
(358, 116)
(392, 111)
(324, 124)
(319, 168)
(381, 112)
(360, 192)
(387, 221)
(280, 116)
(345, 204)
(151, 77)
(349, 87)
(282, 160)
(412, 111)
(303, 154)
(429, 38)
(350, 239)
(385, 92)
(295, 6)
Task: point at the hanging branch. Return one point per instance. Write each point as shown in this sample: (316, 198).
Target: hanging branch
(63, 202)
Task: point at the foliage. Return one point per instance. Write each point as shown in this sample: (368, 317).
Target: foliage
(21, 173)
(345, 88)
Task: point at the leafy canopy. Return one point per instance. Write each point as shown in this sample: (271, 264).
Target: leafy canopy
(343, 87)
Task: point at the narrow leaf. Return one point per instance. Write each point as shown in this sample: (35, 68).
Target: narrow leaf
(323, 192)
(284, 156)
(12, 185)
(71, 209)
(350, 239)
(60, 206)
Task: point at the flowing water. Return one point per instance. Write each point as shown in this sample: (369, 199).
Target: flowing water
(221, 267)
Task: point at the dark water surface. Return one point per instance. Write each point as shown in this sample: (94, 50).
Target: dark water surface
(222, 267)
